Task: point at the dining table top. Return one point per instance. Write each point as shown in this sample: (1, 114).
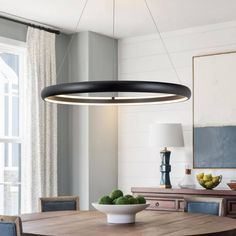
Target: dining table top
(148, 223)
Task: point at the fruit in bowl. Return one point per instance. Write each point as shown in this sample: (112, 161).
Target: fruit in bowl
(117, 198)
(120, 209)
(208, 181)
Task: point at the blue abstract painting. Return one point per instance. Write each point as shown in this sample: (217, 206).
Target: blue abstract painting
(214, 111)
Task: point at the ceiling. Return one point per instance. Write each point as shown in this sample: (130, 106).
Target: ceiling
(132, 17)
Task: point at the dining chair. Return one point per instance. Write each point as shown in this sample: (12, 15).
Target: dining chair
(61, 203)
(205, 205)
(10, 225)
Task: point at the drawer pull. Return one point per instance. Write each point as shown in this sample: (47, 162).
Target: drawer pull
(157, 204)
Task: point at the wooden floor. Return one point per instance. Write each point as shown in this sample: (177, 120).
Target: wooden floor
(147, 223)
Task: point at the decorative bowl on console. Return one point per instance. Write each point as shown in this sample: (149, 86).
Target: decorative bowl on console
(208, 181)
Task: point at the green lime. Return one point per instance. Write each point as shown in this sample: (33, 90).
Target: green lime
(106, 200)
(133, 200)
(122, 201)
(116, 194)
(141, 200)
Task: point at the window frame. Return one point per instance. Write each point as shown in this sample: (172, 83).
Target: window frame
(17, 48)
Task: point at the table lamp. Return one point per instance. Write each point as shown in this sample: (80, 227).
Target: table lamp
(164, 136)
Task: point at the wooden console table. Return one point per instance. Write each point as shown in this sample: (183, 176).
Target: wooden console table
(173, 199)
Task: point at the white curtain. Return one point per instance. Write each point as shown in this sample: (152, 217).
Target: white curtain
(39, 160)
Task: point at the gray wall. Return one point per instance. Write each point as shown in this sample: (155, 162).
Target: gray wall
(62, 42)
(78, 121)
(13, 30)
(16, 31)
(93, 130)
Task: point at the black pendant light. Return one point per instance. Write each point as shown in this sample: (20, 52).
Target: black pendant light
(63, 93)
(81, 93)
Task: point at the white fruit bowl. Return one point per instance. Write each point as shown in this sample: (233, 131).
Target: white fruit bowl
(120, 214)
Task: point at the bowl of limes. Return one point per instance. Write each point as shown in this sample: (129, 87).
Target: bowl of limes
(208, 181)
(120, 208)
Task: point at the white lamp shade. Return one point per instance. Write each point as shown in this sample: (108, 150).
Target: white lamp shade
(166, 135)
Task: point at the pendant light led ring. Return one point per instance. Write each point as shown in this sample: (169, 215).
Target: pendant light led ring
(72, 93)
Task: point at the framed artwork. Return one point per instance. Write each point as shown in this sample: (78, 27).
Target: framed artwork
(214, 111)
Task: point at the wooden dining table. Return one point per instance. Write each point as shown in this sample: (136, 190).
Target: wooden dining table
(148, 223)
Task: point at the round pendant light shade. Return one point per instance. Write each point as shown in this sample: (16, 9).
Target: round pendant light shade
(81, 93)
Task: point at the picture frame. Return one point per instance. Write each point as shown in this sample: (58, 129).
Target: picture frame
(214, 111)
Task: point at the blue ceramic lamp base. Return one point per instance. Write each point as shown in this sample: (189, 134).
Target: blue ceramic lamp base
(165, 169)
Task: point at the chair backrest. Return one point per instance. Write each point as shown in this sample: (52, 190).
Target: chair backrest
(61, 203)
(10, 225)
(205, 205)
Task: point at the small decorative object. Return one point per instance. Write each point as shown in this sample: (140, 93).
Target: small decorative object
(187, 181)
(232, 185)
(208, 181)
(120, 209)
(166, 135)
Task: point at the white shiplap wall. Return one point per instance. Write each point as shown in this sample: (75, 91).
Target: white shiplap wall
(144, 58)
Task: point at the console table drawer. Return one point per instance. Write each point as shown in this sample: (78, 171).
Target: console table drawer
(165, 204)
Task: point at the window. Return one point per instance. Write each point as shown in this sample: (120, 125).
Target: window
(12, 57)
